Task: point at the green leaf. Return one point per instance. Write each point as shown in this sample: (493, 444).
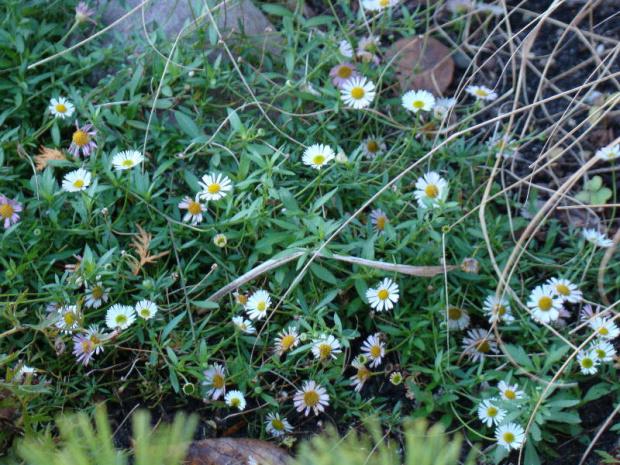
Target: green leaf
(205, 304)
(187, 124)
(319, 21)
(323, 274)
(277, 10)
(596, 392)
(520, 356)
(170, 326)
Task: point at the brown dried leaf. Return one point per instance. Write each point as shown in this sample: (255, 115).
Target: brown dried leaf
(422, 63)
(229, 451)
(47, 154)
(141, 243)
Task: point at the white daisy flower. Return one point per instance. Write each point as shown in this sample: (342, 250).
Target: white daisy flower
(326, 348)
(312, 396)
(443, 106)
(358, 92)
(378, 5)
(146, 309)
(245, 326)
(588, 362)
(565, 290)
(603, 351)
(127, 159)
(479, 344)
(489, 413)
(481, 92)
(418, 100)
(61, 108)
(70, 319)
(374, 349)
(384, 296)
(456, 317)
(277, 426)
(362, 375)
(214, 187)
(369, 44)
(544, 304)
(372, 146)
(604, 328)
(608, 153)
(235, 399)
(120, 316)
(216, 378)
(195, 209)
(396, 378)
(240, 298)
(220, 240)
(318, 155)
(95, 335)
(258, 304)
(510, 391)
(96, 296)
(510, 436)
(597, 238)
(23, 372)
(431, 188)
(287, 339)
(345, 48)
(497, 309)
(379, 219)
(504, 144)
(77, 180)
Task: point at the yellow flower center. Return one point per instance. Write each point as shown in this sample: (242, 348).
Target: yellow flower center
(95, 340)
(384, 3)
(80, 138)
(375, 351)
(70, 318)
(418, 104)
(121, 320)
(262, 305)
(508, 437)
(454, 313)
(6, 210)
(600, 353)
(241, 298)
(145, 312)
(235, 402)
(60, 108)
(481, 92)
(78, 184)
(510, 394)
(277, 424)
(499, 310)
(214, 188)
(194, 208)
(325, 350)
(483, 347)
(545, 303)
(357, 93)
(218, 381)
(87, 346)
(431, 191)
(587, 363)
(381, 223)
(372, 146)
(344, 72)
(97, 292)
(287, 341)
(128, 163)
(562, 289)
(383, 294)
(603, 331)
(492, 412)
(318, 160)
(311, 398)
(363, 374)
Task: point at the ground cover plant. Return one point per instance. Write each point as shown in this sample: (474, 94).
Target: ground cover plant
(280, 240)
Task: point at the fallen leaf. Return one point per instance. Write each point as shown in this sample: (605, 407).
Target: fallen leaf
(229, 451)
(46, 155)
(422, 63)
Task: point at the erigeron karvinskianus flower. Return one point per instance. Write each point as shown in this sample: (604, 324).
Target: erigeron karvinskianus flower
(326, 348)
(374, 349)
(146, 309)
(83, 13)
(214, 187)
(497, 309)
(358, 92)
(235, 399)
(489, 413)
(311, 396)
(608, 153)
(245, 326)
(220, 240)
(277, 425)
(345, 48)
(443, 107)
(372, 146)
(287, 340)
(384, 296)
(378, 5)
(240, 298)
(510, 436)
(544, 304)
(588, 362)
(603, 351)
(379, 219)
(77, 180)
(258, 304)
(120, 316)
(431, 189)
(418, 100)
(23, 372)
(127, 159)
(597, 238)
(69, 319)
(85, 347)
(510, 391)
(342, 73)
(481, 93)
(503, 145)
(195, 208)
(604, 328)
(8, 210)
(61, 108)
(215, 378)
(362, 375)
(96, 295)
(396, 378)
(82, 140)
(317, 156)
(565, 290)
(456, 317)
(479, 344)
